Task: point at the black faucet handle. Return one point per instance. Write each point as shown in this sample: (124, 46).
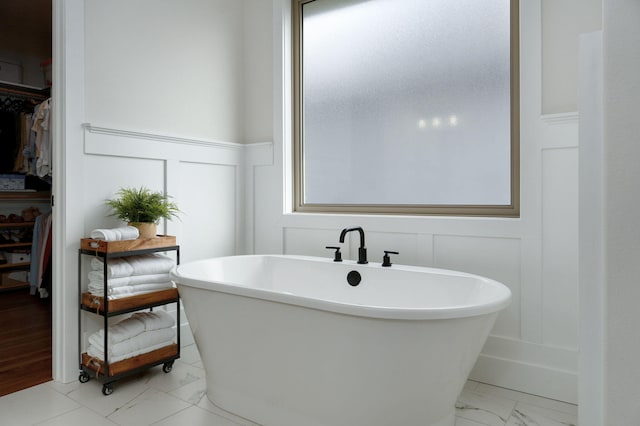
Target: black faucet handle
(386, 260)
(337, 257)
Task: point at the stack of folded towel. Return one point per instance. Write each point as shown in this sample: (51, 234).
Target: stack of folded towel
(116, 234)
(130, 276)
(142, 332)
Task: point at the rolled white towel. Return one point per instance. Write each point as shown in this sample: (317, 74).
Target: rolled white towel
(142, 340)
(96, 278)
(146, 264)
(155, 320)
(130, 290)
(132, 326)
(92, 351)
(119, 332)
(115, 234)
(95, 353)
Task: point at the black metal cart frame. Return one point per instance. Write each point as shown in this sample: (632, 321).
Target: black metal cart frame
(106, 379)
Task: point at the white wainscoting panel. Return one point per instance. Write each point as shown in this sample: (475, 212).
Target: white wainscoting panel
(310, 242)
(560, 246)
(377, 242)
(207, 199)
(495, 258)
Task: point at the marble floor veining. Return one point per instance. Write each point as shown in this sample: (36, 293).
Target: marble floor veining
(178, 398)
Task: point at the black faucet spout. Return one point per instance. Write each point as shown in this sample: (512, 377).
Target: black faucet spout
(362, 250)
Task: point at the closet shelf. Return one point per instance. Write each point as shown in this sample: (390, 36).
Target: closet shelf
(23, 90)
(20, 265)
(11, 284)
(16, 224)
(25, 195)
(15, 245)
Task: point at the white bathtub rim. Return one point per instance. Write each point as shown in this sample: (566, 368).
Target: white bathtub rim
(368, 311)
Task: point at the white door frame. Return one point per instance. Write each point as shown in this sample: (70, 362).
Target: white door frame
(68, 220)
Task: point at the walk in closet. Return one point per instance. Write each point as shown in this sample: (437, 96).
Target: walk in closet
(26, 173)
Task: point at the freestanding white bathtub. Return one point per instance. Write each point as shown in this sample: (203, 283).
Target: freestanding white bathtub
(286, 341)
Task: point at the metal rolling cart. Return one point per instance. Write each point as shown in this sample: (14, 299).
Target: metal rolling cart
(104, 370)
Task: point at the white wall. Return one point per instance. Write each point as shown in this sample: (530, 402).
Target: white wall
(562, 22)
(534, 345)
(167, 67)
(258, 71)
(621, 38)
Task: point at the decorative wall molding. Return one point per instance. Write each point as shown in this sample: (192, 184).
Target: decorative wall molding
(561, 118)
(159, 138)
(127, 143)
(258, 154)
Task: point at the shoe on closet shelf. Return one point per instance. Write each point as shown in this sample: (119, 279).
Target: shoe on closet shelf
(14, 218)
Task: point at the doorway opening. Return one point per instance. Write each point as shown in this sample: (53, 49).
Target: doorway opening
(25, 194)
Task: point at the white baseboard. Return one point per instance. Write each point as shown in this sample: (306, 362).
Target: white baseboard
(556, 378)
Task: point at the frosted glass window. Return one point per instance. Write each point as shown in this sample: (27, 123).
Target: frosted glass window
(406, 104)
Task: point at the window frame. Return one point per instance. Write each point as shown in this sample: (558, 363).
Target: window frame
(299, 206)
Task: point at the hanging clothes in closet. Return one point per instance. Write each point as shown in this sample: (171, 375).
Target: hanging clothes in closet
(25, 137)
(41, 161)
(40, 273)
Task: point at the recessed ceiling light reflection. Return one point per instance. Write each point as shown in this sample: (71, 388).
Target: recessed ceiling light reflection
(436, 122)
(422, 124)
(453, 121)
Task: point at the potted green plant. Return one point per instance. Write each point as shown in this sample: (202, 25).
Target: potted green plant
(143, 209)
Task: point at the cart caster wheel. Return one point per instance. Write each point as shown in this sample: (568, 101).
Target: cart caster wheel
(167, 367)
(83, 377)
(107, 389)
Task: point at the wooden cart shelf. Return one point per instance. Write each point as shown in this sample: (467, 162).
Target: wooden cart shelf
(95, 304)
(111, 247)
(159, 356)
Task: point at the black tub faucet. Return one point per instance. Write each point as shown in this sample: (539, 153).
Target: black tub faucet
(362, 251)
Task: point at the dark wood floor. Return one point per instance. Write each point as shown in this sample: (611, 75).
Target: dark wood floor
(25, 341)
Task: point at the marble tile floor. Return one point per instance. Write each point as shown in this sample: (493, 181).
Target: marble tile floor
(178, 398)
